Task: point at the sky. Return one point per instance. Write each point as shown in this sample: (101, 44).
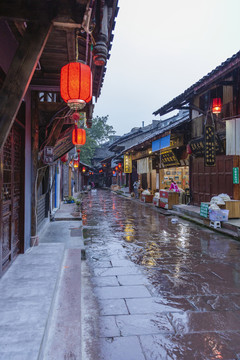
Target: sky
(160, 48)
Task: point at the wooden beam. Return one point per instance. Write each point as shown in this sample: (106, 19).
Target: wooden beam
(16, 11)
(20, 74)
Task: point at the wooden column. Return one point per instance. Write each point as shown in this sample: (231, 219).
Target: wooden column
(35, 145)
(20, 74)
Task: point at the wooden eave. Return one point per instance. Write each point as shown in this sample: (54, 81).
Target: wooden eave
(213, 78)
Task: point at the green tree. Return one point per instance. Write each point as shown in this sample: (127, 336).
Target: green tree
(97, 135)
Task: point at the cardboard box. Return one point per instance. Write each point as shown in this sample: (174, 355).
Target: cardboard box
(147, 198)
(218, 215)
(234, 208)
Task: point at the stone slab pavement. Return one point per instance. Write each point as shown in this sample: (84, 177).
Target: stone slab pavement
(40, 297)
(27, 290)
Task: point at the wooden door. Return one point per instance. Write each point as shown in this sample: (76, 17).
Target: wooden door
(12, 197)
(208, 181)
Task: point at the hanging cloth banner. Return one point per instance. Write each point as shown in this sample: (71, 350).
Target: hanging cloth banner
(143, 166)
(210, 150)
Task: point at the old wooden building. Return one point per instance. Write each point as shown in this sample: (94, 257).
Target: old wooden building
(37, 38)
(214, 132)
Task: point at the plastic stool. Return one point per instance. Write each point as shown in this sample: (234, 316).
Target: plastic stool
(215, 224)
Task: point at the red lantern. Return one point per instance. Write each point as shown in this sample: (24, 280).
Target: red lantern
(114, 172)
(119, 165)
(76, 84)
(216, 105)
(83, 169)
(75, 164)
(116, 168)
(64, 158)
(78, 136)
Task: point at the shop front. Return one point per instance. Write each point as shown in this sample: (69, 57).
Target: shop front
(173, 165)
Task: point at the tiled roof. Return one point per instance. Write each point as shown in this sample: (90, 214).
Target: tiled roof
(174, 122)
(220, 71)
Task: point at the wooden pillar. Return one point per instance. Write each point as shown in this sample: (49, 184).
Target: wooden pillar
(35, 145)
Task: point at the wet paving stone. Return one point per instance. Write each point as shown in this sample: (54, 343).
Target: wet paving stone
(108, 327)
(143, 324)
(158, 305)
(132, 280)
(164, 291)
(191, 322)
(121, 348)
(203, 346)
(120, 292)
(113, 307)
(216, 302)
(120, 270)
(105, 281)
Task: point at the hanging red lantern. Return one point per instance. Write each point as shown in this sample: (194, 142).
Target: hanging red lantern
(83, 169)
(119, 165)
(114, 172)
(64, 158)
(78, 136)
(116, 168)
(76, 84)
(216, 105)
(75, 164)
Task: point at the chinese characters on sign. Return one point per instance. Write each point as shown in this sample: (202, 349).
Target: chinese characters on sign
(236, 175)
(210, 151)
(197, 146)
(128, 164)
(169, 158)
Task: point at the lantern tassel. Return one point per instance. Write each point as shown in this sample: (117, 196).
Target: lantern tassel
(76, 133)
(78, 155)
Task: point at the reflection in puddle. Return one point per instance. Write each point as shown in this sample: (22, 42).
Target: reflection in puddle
(129, 232)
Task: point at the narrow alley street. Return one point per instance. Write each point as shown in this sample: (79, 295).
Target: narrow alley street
(162, 290)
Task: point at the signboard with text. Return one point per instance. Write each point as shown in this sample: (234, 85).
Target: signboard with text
(236, 175)
(128, 164)
(168, 158)
(48, 155)
(210, 150)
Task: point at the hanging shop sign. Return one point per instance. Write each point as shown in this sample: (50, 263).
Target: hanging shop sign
(210, 150)
(168, 158)
(48, 155)
(236, 175)
(196, 146)
(166, 142)
(161, 143)
(128, 164)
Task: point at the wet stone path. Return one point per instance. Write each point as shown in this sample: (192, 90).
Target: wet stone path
(164, 290)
